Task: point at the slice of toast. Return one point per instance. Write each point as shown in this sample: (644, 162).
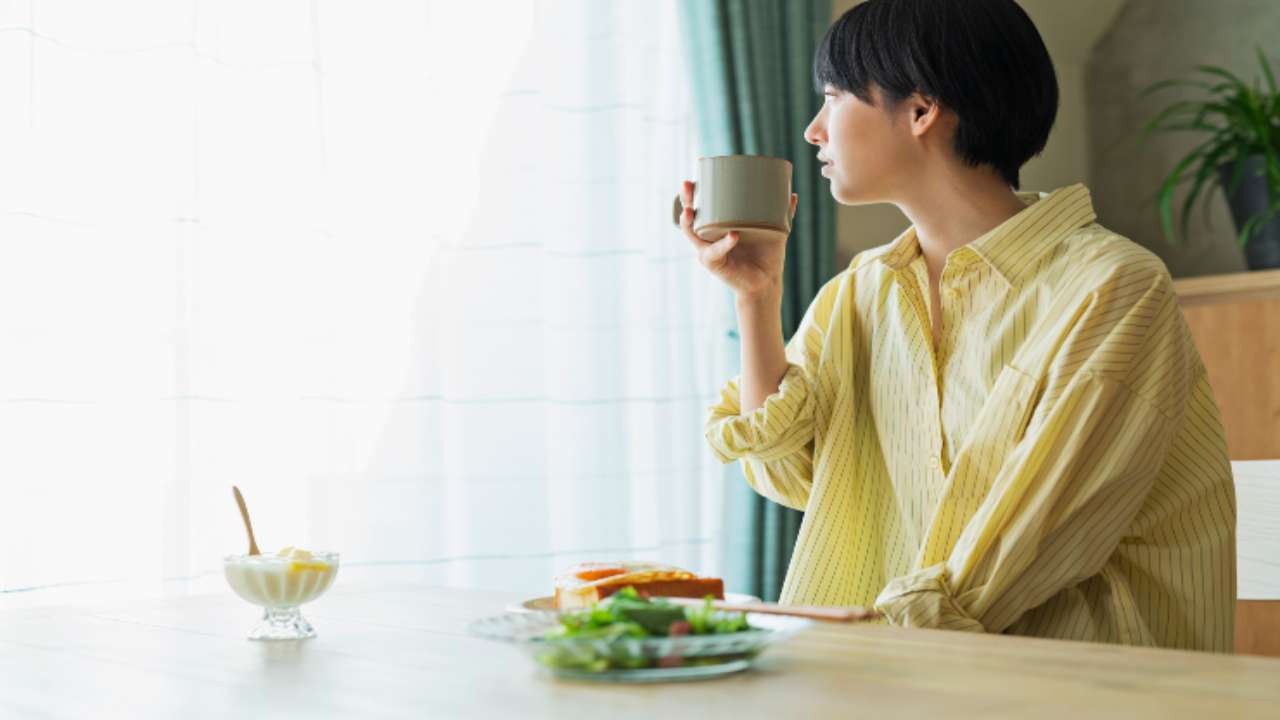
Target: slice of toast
(590, 583)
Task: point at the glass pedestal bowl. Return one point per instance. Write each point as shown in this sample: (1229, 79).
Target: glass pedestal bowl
(280, 584)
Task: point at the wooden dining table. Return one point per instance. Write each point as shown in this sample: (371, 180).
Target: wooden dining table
(403, 650)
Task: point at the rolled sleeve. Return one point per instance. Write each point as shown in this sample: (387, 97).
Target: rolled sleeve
(779, 427)
(774, 443)
(924, 599)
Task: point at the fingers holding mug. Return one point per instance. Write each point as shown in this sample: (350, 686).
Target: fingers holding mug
(686, 215)
(682, 201)
(686, 218)
(686, 193)
(686, 226)
(713, 255)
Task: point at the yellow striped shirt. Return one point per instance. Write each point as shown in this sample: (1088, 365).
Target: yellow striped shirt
(1055, 467)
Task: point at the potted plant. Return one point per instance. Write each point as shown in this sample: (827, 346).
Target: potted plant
(1240, 152)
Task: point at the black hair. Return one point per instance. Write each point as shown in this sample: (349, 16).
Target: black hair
(982, 59)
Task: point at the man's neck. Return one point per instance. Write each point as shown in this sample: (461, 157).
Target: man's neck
(956, 208)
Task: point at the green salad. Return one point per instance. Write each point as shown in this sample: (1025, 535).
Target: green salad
(624, 615)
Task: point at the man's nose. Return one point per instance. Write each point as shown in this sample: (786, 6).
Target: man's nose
(815, 134)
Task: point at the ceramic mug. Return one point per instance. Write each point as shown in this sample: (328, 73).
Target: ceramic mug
(747, 194)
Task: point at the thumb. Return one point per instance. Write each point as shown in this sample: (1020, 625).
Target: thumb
(720, 249)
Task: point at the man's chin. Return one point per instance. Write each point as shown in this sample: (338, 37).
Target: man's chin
(846, 195)
(853, 194)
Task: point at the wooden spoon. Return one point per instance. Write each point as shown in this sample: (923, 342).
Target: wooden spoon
(248, 526)
(813, 612)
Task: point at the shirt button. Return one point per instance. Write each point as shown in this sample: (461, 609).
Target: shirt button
(934, 462)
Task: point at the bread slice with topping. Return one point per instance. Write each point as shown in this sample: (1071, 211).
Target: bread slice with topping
(592, 582)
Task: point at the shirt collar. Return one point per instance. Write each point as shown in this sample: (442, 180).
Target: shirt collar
(1011, 247)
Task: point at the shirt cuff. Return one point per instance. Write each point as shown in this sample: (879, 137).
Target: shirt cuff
(771, 431)
(924, 599)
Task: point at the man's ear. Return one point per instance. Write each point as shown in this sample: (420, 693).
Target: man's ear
(923, 113)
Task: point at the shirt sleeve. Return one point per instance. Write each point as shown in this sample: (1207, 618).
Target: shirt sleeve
(1065, 496)
(775, 442)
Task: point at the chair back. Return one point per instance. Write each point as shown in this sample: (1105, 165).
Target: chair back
(1257, 556)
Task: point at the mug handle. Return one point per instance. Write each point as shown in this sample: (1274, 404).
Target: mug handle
(677, 208)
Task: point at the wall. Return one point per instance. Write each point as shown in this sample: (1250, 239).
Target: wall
(1070, 30)
(1153, 40)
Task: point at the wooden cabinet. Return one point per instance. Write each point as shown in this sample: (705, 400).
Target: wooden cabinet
(1235, 320)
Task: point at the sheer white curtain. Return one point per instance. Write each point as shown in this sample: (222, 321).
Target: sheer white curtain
(402, 271)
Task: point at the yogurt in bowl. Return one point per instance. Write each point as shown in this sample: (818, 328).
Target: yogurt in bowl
(280, 583)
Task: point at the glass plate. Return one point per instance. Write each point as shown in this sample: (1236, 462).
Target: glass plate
(659, 659)
(654, 675)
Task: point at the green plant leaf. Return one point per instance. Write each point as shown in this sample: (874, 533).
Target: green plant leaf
(1272, 180)
(1223, 73)
(1237, 175)
(1243, 238)
(1257, 222)
(1155, 124)
(1206, 176)
(1175, 82)
(1166, 193)
(1223, 88)
(1257, 117)
(1266, 71)
(1224, 113)
(1246, 232)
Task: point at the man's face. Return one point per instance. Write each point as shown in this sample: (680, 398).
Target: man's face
(867, 147)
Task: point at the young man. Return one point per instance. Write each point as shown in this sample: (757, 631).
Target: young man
(998, 422)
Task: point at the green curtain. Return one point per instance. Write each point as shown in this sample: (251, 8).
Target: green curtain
(751, 63)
